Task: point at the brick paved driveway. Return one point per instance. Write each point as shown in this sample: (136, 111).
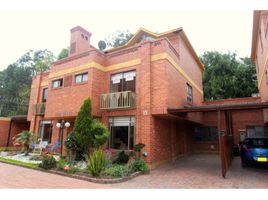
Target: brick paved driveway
(195, 171)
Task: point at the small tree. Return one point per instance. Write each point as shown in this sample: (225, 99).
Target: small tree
(87, 133)
(25, 138)
(82, 128)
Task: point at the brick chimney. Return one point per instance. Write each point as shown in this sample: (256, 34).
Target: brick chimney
(80, 40)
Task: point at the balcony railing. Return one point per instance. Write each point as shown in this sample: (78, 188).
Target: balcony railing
(39, 109)
(118, 100)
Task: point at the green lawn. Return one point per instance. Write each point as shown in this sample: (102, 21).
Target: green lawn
(31, 165)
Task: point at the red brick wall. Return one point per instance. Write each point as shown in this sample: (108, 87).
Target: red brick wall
(241, 119)
(233, 101)
(4, 128)
(261, 54)
(16, 128)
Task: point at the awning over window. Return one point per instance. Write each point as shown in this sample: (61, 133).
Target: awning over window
(122, 121)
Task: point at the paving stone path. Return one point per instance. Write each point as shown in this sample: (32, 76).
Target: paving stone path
(195, 171)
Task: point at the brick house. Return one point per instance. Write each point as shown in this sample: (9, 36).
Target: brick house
(146, 91)
(131, 88)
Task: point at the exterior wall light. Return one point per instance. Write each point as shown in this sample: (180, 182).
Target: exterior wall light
(145, 154)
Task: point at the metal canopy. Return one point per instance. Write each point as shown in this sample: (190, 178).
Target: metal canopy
(208, 108)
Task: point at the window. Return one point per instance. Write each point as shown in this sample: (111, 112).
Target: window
(45, 131)
(81, 78)
(122, 133)
(206, 134)
(257, 131)
(57, 83)
(189, 93)
(44, 96)
(123, 82)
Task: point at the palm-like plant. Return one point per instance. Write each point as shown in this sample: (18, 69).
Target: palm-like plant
(25, 138)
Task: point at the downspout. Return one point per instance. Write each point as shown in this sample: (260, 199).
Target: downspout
(9, 132)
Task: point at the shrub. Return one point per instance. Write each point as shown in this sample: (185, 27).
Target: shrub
(100, 134)
(60, 164)
(82, 128)
(122, 158)
(74, 150)
(48, 162)
(68, 167)
(71, 170)
(139, 165)
(96, 162)
(118, 170)
(138, 147)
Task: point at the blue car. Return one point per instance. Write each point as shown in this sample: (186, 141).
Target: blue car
(254, 151)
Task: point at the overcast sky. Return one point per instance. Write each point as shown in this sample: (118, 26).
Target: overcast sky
(207, 30)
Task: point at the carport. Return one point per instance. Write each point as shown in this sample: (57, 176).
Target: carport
(225, 138)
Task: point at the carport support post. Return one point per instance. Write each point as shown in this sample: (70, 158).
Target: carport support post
(9, 132)
(220, 143)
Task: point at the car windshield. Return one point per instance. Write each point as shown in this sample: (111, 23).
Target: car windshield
(258, 142)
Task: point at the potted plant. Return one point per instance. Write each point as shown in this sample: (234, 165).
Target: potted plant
(137, 148)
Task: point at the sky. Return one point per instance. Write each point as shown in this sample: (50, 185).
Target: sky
(41, 27)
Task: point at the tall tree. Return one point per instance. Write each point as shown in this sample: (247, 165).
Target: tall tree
(63, 54)
(225, 76)
(15, 81)
(118, 38)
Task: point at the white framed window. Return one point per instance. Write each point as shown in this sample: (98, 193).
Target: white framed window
(57, 83)
(124, 81)
(80, 78)
(189, 93)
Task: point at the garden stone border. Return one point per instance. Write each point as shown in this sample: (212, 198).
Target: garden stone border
(80, 177)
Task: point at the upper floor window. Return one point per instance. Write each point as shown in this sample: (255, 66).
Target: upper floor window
(44, 96)
(189, 93)
(123, 82)
(81, 78)
(57, 83)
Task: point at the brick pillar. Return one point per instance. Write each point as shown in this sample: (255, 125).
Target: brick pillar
(144, 118)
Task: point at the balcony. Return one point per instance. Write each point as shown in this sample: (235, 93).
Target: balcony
(118, 100)
(39, 109)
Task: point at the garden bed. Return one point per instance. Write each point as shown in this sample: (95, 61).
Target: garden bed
(78, 175)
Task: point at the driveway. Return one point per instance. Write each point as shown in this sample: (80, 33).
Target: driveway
(195, 171)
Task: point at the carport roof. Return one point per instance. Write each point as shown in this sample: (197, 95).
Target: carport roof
(207, 108)
(18, 118)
